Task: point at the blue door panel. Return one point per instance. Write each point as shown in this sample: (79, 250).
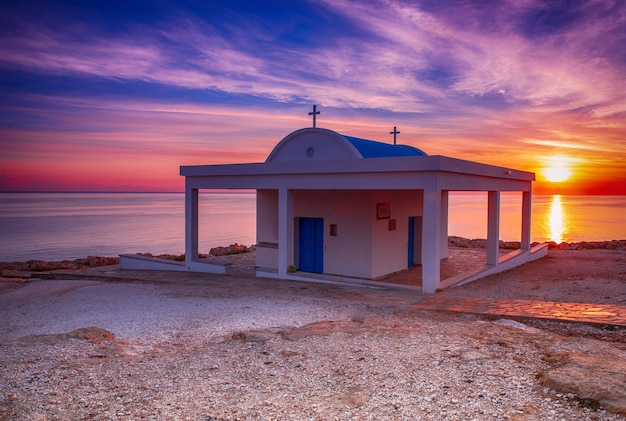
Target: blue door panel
(311, 255)
(307, 254)
(319, 246)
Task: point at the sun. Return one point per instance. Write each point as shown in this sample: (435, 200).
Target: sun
(557, 174)
(557, 168)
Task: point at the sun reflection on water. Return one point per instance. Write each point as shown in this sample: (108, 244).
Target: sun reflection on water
(556, 220)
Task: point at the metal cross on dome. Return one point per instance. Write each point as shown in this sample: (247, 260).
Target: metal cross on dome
(314, 113)
(394, 133)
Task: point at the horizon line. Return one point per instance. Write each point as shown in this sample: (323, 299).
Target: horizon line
(252, 190)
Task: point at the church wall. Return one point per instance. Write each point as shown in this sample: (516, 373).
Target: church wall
(349, 252)
(267, 229)
(364, 247)
(389, 245)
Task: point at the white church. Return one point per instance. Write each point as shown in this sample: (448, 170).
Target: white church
(337, 207)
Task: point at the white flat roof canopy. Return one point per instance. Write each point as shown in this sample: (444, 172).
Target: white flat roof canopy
(389, 173)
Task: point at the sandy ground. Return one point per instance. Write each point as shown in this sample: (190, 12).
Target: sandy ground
(188, 346)
(586, 276)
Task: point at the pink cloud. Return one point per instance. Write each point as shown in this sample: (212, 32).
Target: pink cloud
(502, 97)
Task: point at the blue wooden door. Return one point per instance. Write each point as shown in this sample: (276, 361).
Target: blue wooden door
(411, 241)
(311, 256)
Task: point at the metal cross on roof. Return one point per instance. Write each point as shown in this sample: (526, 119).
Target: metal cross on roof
(394, 133)
(314, 113)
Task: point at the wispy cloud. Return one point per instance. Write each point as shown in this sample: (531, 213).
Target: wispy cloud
(406, 60)
(478, 79)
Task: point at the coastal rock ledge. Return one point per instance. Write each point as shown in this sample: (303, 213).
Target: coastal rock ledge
(582, 245)
(44, 266)
(232, 249)
(588, 245)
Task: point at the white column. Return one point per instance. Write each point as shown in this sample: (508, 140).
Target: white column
(526, 218)
(444, 224)
(493, 227)
(285, 230)
(191, 226)
(431, 241)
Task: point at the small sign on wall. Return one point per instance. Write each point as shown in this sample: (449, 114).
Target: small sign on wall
(392, 225)
(383, 211)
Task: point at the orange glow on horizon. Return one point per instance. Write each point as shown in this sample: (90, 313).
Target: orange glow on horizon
(148, 158)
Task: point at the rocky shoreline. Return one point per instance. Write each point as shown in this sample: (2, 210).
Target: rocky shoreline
(95, 261)
(453, 241)
(45, 266)
(512, 245)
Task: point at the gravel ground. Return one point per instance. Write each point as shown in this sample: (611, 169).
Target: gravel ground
(238, 348)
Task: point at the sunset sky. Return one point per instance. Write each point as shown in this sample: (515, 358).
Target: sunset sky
(115, 96)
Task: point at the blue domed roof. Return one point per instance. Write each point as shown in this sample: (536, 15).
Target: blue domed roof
(373, 149)
(315, 144)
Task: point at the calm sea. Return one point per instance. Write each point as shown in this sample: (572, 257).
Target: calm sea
(56, 226)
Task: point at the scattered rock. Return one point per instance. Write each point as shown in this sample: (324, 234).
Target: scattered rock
(175, 257)
(92, 334)
(591, 378)
(353, 397)
(254, 337)
(474, 355)
(232, 249)
(517, 325)
(321, 328)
